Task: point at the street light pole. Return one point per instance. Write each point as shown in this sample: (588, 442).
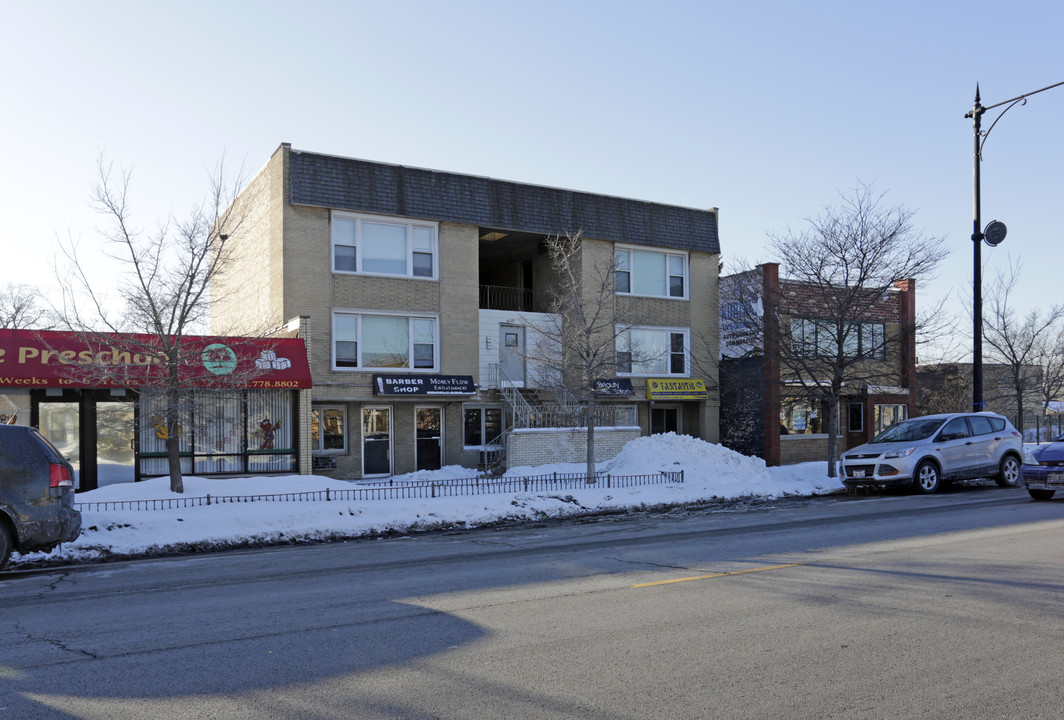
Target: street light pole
(977, 267)
(993, 235)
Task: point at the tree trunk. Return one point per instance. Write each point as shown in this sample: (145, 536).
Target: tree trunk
(833, 421)
(173, 456)
(590, 423)
(173, 424)
(1019, 411)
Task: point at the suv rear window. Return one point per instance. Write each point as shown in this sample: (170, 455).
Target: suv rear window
(980, 425)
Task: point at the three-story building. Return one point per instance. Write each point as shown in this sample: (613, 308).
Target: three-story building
(423, 300)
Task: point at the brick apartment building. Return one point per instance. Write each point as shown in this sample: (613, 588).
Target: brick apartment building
(419, 294)
(769, 327)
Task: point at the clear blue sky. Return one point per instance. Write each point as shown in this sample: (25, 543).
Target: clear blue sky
(766, 110)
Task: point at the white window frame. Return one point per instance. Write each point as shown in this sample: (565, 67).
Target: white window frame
(360, 366)
(391, 439)
(485, 443)
(319, 447)
(443, 440)
(630, 250)
(625, 337)
(357, 243)
(887, 414)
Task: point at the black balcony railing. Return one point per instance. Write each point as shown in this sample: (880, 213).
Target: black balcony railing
(497, 297)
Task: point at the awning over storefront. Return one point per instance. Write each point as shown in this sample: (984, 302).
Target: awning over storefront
(678, 389)
(48, 358)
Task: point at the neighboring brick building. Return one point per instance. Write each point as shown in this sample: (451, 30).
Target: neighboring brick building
(418, 293)
(768, 323)
(947, 387)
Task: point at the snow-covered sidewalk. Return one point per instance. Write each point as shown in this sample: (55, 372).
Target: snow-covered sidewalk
(710, 472)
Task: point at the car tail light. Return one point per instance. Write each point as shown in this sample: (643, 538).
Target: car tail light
(59, 476)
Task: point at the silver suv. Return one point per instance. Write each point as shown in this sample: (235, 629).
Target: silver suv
(36, 493)
(927, 451)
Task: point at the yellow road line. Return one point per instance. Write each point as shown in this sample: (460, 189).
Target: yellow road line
(716, 575)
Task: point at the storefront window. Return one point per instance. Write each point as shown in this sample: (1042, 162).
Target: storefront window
(217, 436)
(270, 430)
(327, 429)
(483, 426)
(221, 432)
(887, 415)
(803, 417)
(153, 435)
(855, 417)
(14, 407)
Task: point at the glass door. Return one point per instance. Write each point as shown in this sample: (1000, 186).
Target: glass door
(429, 438)
(376, 441)
(61, 423)
(114, 443)
(664, 420)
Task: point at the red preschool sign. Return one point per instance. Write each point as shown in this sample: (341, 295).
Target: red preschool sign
(46, 358)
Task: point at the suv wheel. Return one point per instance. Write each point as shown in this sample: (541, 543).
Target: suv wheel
(1039, 494)
(5, 545)
(926, 477)
(1009, 472)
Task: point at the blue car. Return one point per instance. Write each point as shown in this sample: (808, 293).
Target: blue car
(1042, 472)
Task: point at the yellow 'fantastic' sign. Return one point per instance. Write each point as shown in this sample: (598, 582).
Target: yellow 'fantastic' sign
(679, 389)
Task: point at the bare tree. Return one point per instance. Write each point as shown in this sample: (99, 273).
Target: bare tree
(1050, 355)
(21, 307)
(578, 344)
(1017, 342)
(844, 264)
(162, 290)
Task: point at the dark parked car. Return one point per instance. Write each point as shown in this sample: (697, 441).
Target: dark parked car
(36, 493)
(925, 452)
(1042, 471)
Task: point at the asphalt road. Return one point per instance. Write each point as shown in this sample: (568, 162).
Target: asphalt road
(882, 606)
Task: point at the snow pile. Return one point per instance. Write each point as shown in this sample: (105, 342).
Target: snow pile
(711, 472)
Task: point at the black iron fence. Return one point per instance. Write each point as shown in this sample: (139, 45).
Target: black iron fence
(1039, 429)
(409, 490)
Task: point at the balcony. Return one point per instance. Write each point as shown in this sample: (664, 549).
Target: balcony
(497, 297)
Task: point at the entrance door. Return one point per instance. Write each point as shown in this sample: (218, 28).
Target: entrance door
(428, 452)
(664, 419)
(114, 443)
(512, 354)
(376, 441)
(61, 423)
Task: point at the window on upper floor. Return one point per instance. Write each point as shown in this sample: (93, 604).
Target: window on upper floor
(371, 341)
(816, 338)
(652, 351)
(650, 273)
(374, 245)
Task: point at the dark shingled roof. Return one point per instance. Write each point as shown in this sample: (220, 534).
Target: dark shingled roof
(363, 186)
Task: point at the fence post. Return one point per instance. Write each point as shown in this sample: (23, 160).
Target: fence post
(327, 498)
(208, 498)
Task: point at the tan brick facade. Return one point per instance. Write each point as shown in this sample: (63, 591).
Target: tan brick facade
(282, 269)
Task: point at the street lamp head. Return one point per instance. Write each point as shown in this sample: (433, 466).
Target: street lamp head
(994, 233)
